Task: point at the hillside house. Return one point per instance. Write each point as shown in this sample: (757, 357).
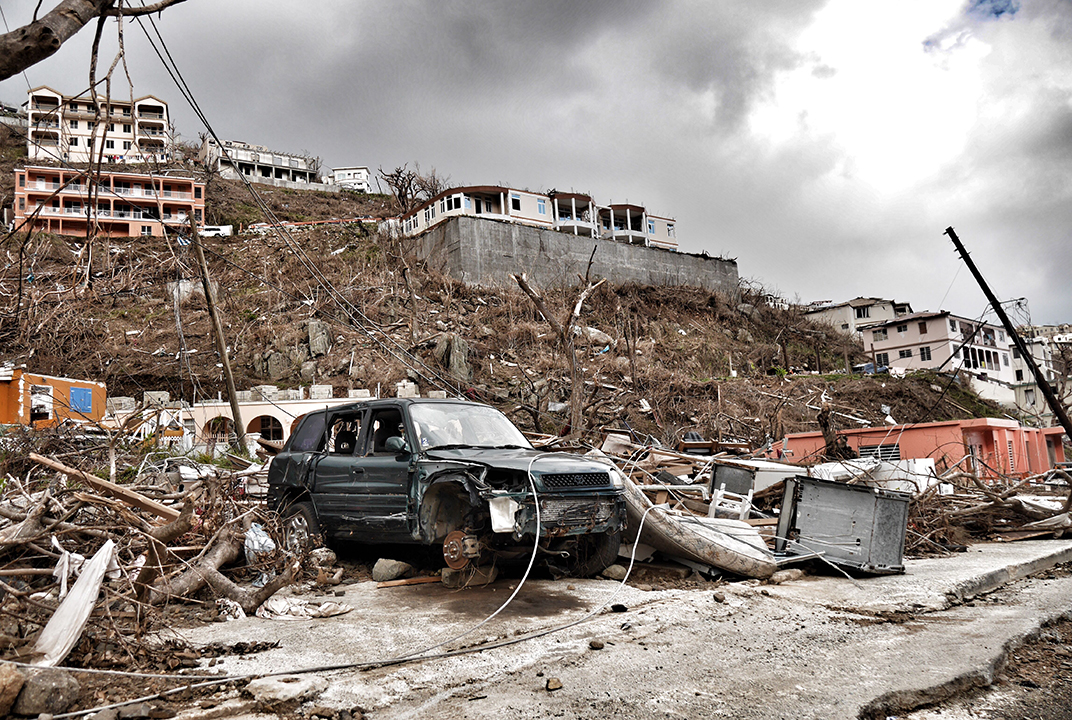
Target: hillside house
(993, 446)
(115, 204)
(853, 316)
(573, 213)
(354, 178)
(79, 129)
(256, 163)
(43, 400)
(943, 341)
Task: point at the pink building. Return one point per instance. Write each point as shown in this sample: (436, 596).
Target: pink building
(996, 446)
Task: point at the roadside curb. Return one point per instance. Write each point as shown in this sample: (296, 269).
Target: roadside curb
(971, 587)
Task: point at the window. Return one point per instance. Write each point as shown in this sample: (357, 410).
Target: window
(109, 144)
(670, 231)
(81, 400)
(1016, 353)
(862, 313)
(468, 202)
(146, 229)
(1005, 359)
(111, 127)
(902, 328)
(923, 328)
(904, 354)
(22, 180)
(74, 142)
(879, 335)
(90, 124)
(515, 201)
(925, 353)
(197, 193)
(882, 359)
(1029, 396)
(651, 227)
(197, 214)
(1001, 335)
(442, 205)
(844, 326)
(952, 324)
(1019, 376)
(126, 144)
(126, 128)
(22, 204)
(541, 206)
(74, 124)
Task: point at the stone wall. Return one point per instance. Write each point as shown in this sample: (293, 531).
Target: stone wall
(486, 252)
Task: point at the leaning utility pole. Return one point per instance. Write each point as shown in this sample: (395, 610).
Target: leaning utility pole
(217, 326)
(1040, 379)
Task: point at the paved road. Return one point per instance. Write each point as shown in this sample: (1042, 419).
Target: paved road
(817, 647)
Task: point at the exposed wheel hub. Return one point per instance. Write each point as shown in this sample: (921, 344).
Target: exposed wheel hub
(459, 549)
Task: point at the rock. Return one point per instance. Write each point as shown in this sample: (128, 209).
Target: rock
(46, 691)
(596, 644)
(469, 576)
(553, 684)
(285, 688)
(719, 597)
(109, 714)
(618, 607)
(137, 711)
(744, 336)
(614, 572)
(323, 558)
(319, 338)
(557, 407)
(746, 309)
(594, 336)
(277, 366)
(308, 371)
(386, 569)
(11, 681)
(452, 352)
(785, 576)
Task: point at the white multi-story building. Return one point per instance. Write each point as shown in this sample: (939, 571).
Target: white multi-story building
(854, 316)
(943, 341)
(80, 130)
(1050, 354)
(259, 164)
(574, 213)
(352, 178)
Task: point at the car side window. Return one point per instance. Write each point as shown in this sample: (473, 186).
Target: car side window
(309, 437)
(385, 424)
(345, 430)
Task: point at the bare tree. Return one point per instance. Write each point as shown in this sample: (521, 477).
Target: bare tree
(409, 188)
(30, 44)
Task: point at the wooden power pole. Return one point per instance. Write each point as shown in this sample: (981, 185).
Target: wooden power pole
(217, 326)
(1040, 378)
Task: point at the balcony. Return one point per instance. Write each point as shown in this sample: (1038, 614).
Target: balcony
(146, 115)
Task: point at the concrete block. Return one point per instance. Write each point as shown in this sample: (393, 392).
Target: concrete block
(265, 392)
(286, 688)
(244, 395)
(120, 404)
(406, 389)
(359, 393)
(155, 398)
(297, 393)
(321, 392)
(440, 394)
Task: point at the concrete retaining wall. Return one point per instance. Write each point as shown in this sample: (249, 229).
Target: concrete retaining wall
(486, 252)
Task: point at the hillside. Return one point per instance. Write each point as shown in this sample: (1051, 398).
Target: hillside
(331, 304)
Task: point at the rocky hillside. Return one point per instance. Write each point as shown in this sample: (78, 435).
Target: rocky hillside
(342, 305)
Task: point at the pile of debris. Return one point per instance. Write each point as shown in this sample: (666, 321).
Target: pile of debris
(91, 566)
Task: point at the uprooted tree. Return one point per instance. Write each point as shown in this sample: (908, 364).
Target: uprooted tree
(30, 44)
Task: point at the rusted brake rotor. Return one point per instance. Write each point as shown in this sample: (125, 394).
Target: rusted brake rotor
(453, 550)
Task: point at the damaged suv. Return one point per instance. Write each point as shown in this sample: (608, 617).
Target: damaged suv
(446, 473)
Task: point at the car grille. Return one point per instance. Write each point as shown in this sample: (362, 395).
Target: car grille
(586, 511)
(557, 481)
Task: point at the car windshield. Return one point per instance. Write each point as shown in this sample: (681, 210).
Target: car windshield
(441, 425)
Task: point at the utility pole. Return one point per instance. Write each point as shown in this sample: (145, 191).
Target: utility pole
(217, 326)
(1040, 379)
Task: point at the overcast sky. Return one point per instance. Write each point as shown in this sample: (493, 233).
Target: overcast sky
(825, 145)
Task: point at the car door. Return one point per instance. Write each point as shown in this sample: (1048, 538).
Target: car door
(384, 490)
(338, 473)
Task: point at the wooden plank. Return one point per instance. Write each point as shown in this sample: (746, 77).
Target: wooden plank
(128, 497)
(410, 581)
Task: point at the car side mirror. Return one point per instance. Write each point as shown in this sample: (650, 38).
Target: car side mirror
(395, 444)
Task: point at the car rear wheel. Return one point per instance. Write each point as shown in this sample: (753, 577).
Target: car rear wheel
(594, 553)
(301, 531)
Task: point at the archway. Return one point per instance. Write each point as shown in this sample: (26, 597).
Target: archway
(268, 426)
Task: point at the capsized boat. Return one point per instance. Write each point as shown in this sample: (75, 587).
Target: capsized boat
(730, 545)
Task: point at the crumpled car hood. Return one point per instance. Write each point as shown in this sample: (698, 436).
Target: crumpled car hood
(514, 459)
